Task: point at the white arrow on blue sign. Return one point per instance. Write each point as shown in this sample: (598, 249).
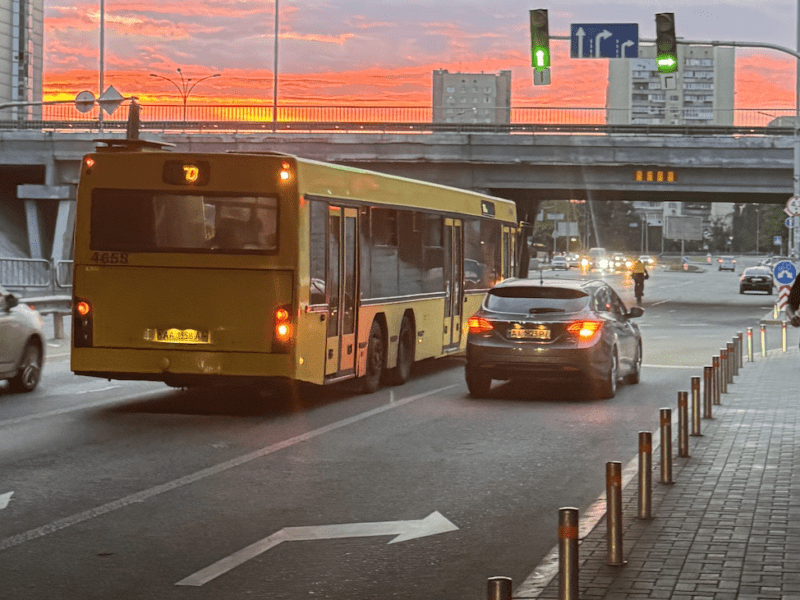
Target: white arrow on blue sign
(593, 40)
(785, 272)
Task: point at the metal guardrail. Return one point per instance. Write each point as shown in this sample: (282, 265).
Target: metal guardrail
(258, 117)
(26, 275)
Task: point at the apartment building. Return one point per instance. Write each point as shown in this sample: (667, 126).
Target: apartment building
(21, 49)
(700, 92)
(471, 97)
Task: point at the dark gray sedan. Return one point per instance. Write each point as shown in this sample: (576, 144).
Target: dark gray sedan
(553, 328)
(756, 279)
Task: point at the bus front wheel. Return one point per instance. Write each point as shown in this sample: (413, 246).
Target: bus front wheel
(376, 359)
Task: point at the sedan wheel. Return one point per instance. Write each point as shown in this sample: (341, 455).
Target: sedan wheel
(637, 366)
(478, 383)
(30, 369)
(607, 387)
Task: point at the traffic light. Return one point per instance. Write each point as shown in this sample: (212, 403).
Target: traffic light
(540, 39)
(666, 43)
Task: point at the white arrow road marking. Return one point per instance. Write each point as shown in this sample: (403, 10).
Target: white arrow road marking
(605, 34)
(5, 499)
(580, 34)
(433, 524)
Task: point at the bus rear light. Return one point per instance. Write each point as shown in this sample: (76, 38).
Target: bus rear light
(283, 329)
(584, 330)
(285, 173)
(82, 324)
(479, 325)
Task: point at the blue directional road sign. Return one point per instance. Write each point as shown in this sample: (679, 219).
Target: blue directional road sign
(785, 272)
(593, 40)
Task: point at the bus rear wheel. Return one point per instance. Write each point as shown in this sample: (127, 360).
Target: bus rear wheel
(405, 354)
(376, 360)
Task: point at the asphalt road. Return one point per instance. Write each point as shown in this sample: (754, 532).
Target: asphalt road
(135, 491)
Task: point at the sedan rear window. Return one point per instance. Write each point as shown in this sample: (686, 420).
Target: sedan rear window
(536, 300)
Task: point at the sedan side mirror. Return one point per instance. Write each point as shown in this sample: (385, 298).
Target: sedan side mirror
(11, 301)
(635, 311)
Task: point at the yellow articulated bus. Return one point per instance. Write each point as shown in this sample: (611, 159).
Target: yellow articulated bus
(203, 269)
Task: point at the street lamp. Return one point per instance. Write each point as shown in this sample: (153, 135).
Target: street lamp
(186, 86)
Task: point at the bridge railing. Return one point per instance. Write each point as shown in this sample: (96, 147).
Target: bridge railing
(259, 117)
(35, 276)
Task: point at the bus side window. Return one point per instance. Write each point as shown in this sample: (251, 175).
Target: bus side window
(318, 251)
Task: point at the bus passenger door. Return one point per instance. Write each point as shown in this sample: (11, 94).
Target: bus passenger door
(453, 284)
(340, 351)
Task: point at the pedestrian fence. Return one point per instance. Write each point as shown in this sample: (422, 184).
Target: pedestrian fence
(706, 392)
(35, 275)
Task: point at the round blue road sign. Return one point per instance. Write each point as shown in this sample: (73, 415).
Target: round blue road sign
(785, 272)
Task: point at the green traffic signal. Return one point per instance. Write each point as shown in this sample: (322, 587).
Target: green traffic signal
(666, 43)
(540, 39)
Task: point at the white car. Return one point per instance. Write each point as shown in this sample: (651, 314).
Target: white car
(559, 262)
(21, 344)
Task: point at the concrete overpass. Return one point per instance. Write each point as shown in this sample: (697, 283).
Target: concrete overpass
(39, 170)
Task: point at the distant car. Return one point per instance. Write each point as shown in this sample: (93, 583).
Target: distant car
(727, 263)
(574, 260)
(648, 261)
(21, 344)
(553, 329)
(620, 262)
(559, 262)
(755, 279)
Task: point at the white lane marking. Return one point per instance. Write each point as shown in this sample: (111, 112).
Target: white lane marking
(694, 325)
(98, 511)
(433, 524)
(105, 389)
(5, 499)
(63, 411)
(544, 573)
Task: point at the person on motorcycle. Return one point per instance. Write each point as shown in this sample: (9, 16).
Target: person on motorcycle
(639, 274)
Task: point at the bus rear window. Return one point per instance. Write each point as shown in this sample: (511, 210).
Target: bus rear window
(142, 221)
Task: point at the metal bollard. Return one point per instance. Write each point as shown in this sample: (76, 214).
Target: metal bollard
(708, 390)
(723, 370)
(666, 445)
(736, 356)
(717, 384)
(749, 344)
(645, 477)
(567, 554)
(783, 335)
(614, 513)
(763, 341)
(740, 351)
(499, 588)
(696, 406)
(731, 361)
(683, 424)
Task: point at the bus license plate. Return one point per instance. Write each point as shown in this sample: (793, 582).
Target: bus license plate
(529, 334)
(178, 336)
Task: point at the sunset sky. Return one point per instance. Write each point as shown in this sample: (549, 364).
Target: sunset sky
(342, 52)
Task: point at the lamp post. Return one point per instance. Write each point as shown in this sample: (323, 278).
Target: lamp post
(186, 86)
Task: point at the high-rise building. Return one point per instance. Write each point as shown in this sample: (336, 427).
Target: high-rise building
(21, 44)
(471, 97)
(700, 92)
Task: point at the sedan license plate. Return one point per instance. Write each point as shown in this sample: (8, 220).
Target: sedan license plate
(529, 334)
(178, 336)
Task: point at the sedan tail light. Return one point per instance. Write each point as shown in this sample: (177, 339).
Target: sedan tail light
(479, 325)
(585, 331)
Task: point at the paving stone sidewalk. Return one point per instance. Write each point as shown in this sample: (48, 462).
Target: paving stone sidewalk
(729, 525)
